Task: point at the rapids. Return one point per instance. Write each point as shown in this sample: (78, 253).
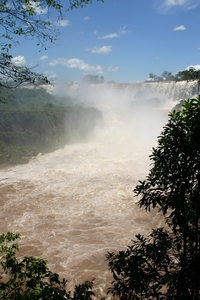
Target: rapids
(75, 204)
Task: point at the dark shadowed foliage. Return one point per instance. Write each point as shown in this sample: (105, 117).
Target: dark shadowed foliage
(166, 264)
(30, 279)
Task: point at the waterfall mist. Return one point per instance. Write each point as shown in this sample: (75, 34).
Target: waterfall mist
(75, 204)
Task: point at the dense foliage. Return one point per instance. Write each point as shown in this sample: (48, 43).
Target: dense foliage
(33, 121)
(166, 264)
(30, 279)
(190, 74)
(26, 19)
(80, 3)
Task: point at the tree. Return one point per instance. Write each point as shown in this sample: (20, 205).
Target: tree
(140, 271)
(167, 76)
(152, 77)
(190, 74)
(30, 278)
(80, 3)
(24, 18)
(166, 264)
(29, 19)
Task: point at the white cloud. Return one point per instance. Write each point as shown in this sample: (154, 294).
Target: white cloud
(196, 67)
(19, 61)
(62, 23)
(51, 75)
(95, 33)
(100, 50)
(86, 19)
(113, 35)
(113, 69)
(44, 57)
(75, 63)
(183, 4)
(182, 27)
(37, 8)
(175, 2)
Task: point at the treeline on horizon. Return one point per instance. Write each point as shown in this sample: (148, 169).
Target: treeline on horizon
(189, 75)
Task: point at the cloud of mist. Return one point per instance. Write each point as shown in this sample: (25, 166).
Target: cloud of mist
(132, 119)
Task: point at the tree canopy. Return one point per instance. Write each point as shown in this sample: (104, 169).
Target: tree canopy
(163, 265)
(31, 279)
(29, 19)
(189, 74)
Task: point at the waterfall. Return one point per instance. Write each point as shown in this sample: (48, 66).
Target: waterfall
(172, 91)
(75, 204)
(175, 90)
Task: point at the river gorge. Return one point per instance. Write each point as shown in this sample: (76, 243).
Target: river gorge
(73, 205)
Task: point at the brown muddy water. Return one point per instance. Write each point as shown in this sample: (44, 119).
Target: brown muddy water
(75, 204)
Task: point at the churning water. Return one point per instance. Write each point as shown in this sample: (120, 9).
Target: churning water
(75, 204)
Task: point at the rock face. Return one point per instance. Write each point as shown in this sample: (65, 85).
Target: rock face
(48, 127)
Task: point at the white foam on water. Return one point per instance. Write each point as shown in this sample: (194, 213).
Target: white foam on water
(75, 204)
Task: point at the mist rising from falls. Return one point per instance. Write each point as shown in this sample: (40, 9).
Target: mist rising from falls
(75, 204)
(170, 92)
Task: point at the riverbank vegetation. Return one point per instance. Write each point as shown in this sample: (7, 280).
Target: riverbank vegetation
(33, 121)
(163, 265)
(30, 279)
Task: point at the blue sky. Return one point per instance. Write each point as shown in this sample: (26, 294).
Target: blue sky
(121, 40)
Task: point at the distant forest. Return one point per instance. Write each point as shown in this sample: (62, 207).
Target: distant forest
(190, 74)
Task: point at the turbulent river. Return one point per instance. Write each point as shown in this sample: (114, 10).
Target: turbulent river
(75, 204)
